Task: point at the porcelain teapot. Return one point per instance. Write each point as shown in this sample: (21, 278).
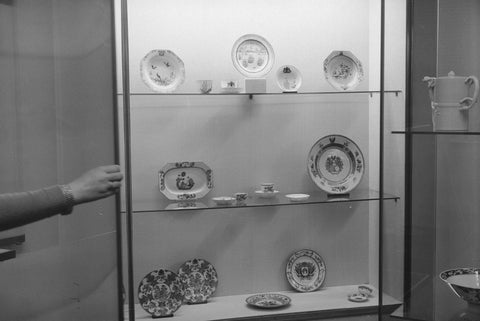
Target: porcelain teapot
(451, 100)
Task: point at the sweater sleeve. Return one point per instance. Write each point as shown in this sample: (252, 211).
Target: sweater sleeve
(21, 208)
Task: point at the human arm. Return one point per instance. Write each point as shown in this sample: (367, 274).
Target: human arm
(17, 209)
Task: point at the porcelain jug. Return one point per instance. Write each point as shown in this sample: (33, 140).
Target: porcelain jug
(451, 100)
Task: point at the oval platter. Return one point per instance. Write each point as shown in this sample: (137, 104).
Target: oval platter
(162, 70)
(336, 164)
(343, 70)
(268, 300)
(184, 181)
(305, 270)
(161, 293)
(200, 280)
(253, 55)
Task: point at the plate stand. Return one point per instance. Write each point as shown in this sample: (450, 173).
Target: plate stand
(162, 316)
(338, 196)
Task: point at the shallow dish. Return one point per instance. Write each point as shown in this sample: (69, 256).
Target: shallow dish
(335, 164)
(305, 270)
(185, 181)
(297, 197)
(200, 280)
(223, 200)
(161, 293)
(464, 282)
(253, 55)
(343, 70)
(268, 300)
(357, 297)
(263, 194)
(289, 78)
(162, 70)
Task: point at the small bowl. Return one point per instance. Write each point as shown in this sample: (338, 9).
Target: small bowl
(297, 197)
(464, 282)
(263, 194)
(365, 289)
(223, 200)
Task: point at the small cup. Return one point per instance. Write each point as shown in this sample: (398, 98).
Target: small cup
(241, 197)
(267, 187)
(205, 86)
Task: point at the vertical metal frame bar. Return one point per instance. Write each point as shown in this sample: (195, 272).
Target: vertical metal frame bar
(127, 158)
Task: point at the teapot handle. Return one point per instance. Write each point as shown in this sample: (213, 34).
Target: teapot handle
(431, 84)
(468, 102)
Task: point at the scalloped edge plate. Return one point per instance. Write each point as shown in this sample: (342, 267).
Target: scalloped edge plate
(343, 70)
(162, 70)
(253, 55)
(305, 270)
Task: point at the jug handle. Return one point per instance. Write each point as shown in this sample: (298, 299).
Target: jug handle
(468, 102)
(431, 84)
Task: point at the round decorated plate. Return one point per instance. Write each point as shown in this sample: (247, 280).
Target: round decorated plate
(161, 293)
(162, 70)
(200, 280)
(289, 79)
(253, 55)
(335, 164)
(268, 300)
(306, 270)
(343, 70)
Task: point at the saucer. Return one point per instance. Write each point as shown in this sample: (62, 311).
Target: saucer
(263, 194)
(297, 197)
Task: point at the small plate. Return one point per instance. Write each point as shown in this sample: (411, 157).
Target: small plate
(162, 70)
(253, 55)
(335, 164)
(289, 79)
(305, 270)
(263, 194)
(161, 293)
(297, 197)
(268, 300)
(223, 200)
(185, 181)
(200, 280)
(357, 297)
(343, 70)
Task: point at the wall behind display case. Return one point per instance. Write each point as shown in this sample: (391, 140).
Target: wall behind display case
(249, 141)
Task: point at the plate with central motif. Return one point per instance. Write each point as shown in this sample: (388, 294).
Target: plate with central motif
(336, 164)
(253, 55)
(161, 293)
(200, 280)
(343, 70)
(268, 300)
(184, 181)
(162, 70)
(306, 270)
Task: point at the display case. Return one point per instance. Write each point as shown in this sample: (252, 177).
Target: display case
(230, 108)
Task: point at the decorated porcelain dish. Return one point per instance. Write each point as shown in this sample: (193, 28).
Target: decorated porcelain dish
(162, 70)
(268, 300)
(263, 194)
(253, 55)
(184, 181)
(357, 297)
(343, 70)
(200, 280)
(223, 200)
(161, 293)
(297, 197)
(336, 164)
(464, 282)
(289, 78)
(306, 270)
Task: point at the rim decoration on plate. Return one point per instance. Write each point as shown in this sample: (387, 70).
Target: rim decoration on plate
(184, 181)
(253, 55)
(200, 280)
(162, 71)
(343, 70)
(268, 300)
(336, 164)
(306, 270)
(289, 78)
(161, 293)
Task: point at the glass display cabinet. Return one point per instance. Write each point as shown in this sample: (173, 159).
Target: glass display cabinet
(222, 101)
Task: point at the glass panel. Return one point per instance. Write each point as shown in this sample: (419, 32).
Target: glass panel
(57, 120)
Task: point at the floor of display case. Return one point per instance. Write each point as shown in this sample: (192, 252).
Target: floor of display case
(328, 302)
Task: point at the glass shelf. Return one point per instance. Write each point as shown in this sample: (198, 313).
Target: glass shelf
(371, 92)
(316, 197)
(428, 130)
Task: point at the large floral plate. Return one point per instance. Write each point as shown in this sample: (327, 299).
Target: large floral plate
(268, 300)
(200, 280)
(161, 293)
(162, 71)
(185, 180)
(335, 164)
(343, 70)
(253, 55)
(306, 270)
(289, 79)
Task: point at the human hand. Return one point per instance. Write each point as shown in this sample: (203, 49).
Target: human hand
(97, 183)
